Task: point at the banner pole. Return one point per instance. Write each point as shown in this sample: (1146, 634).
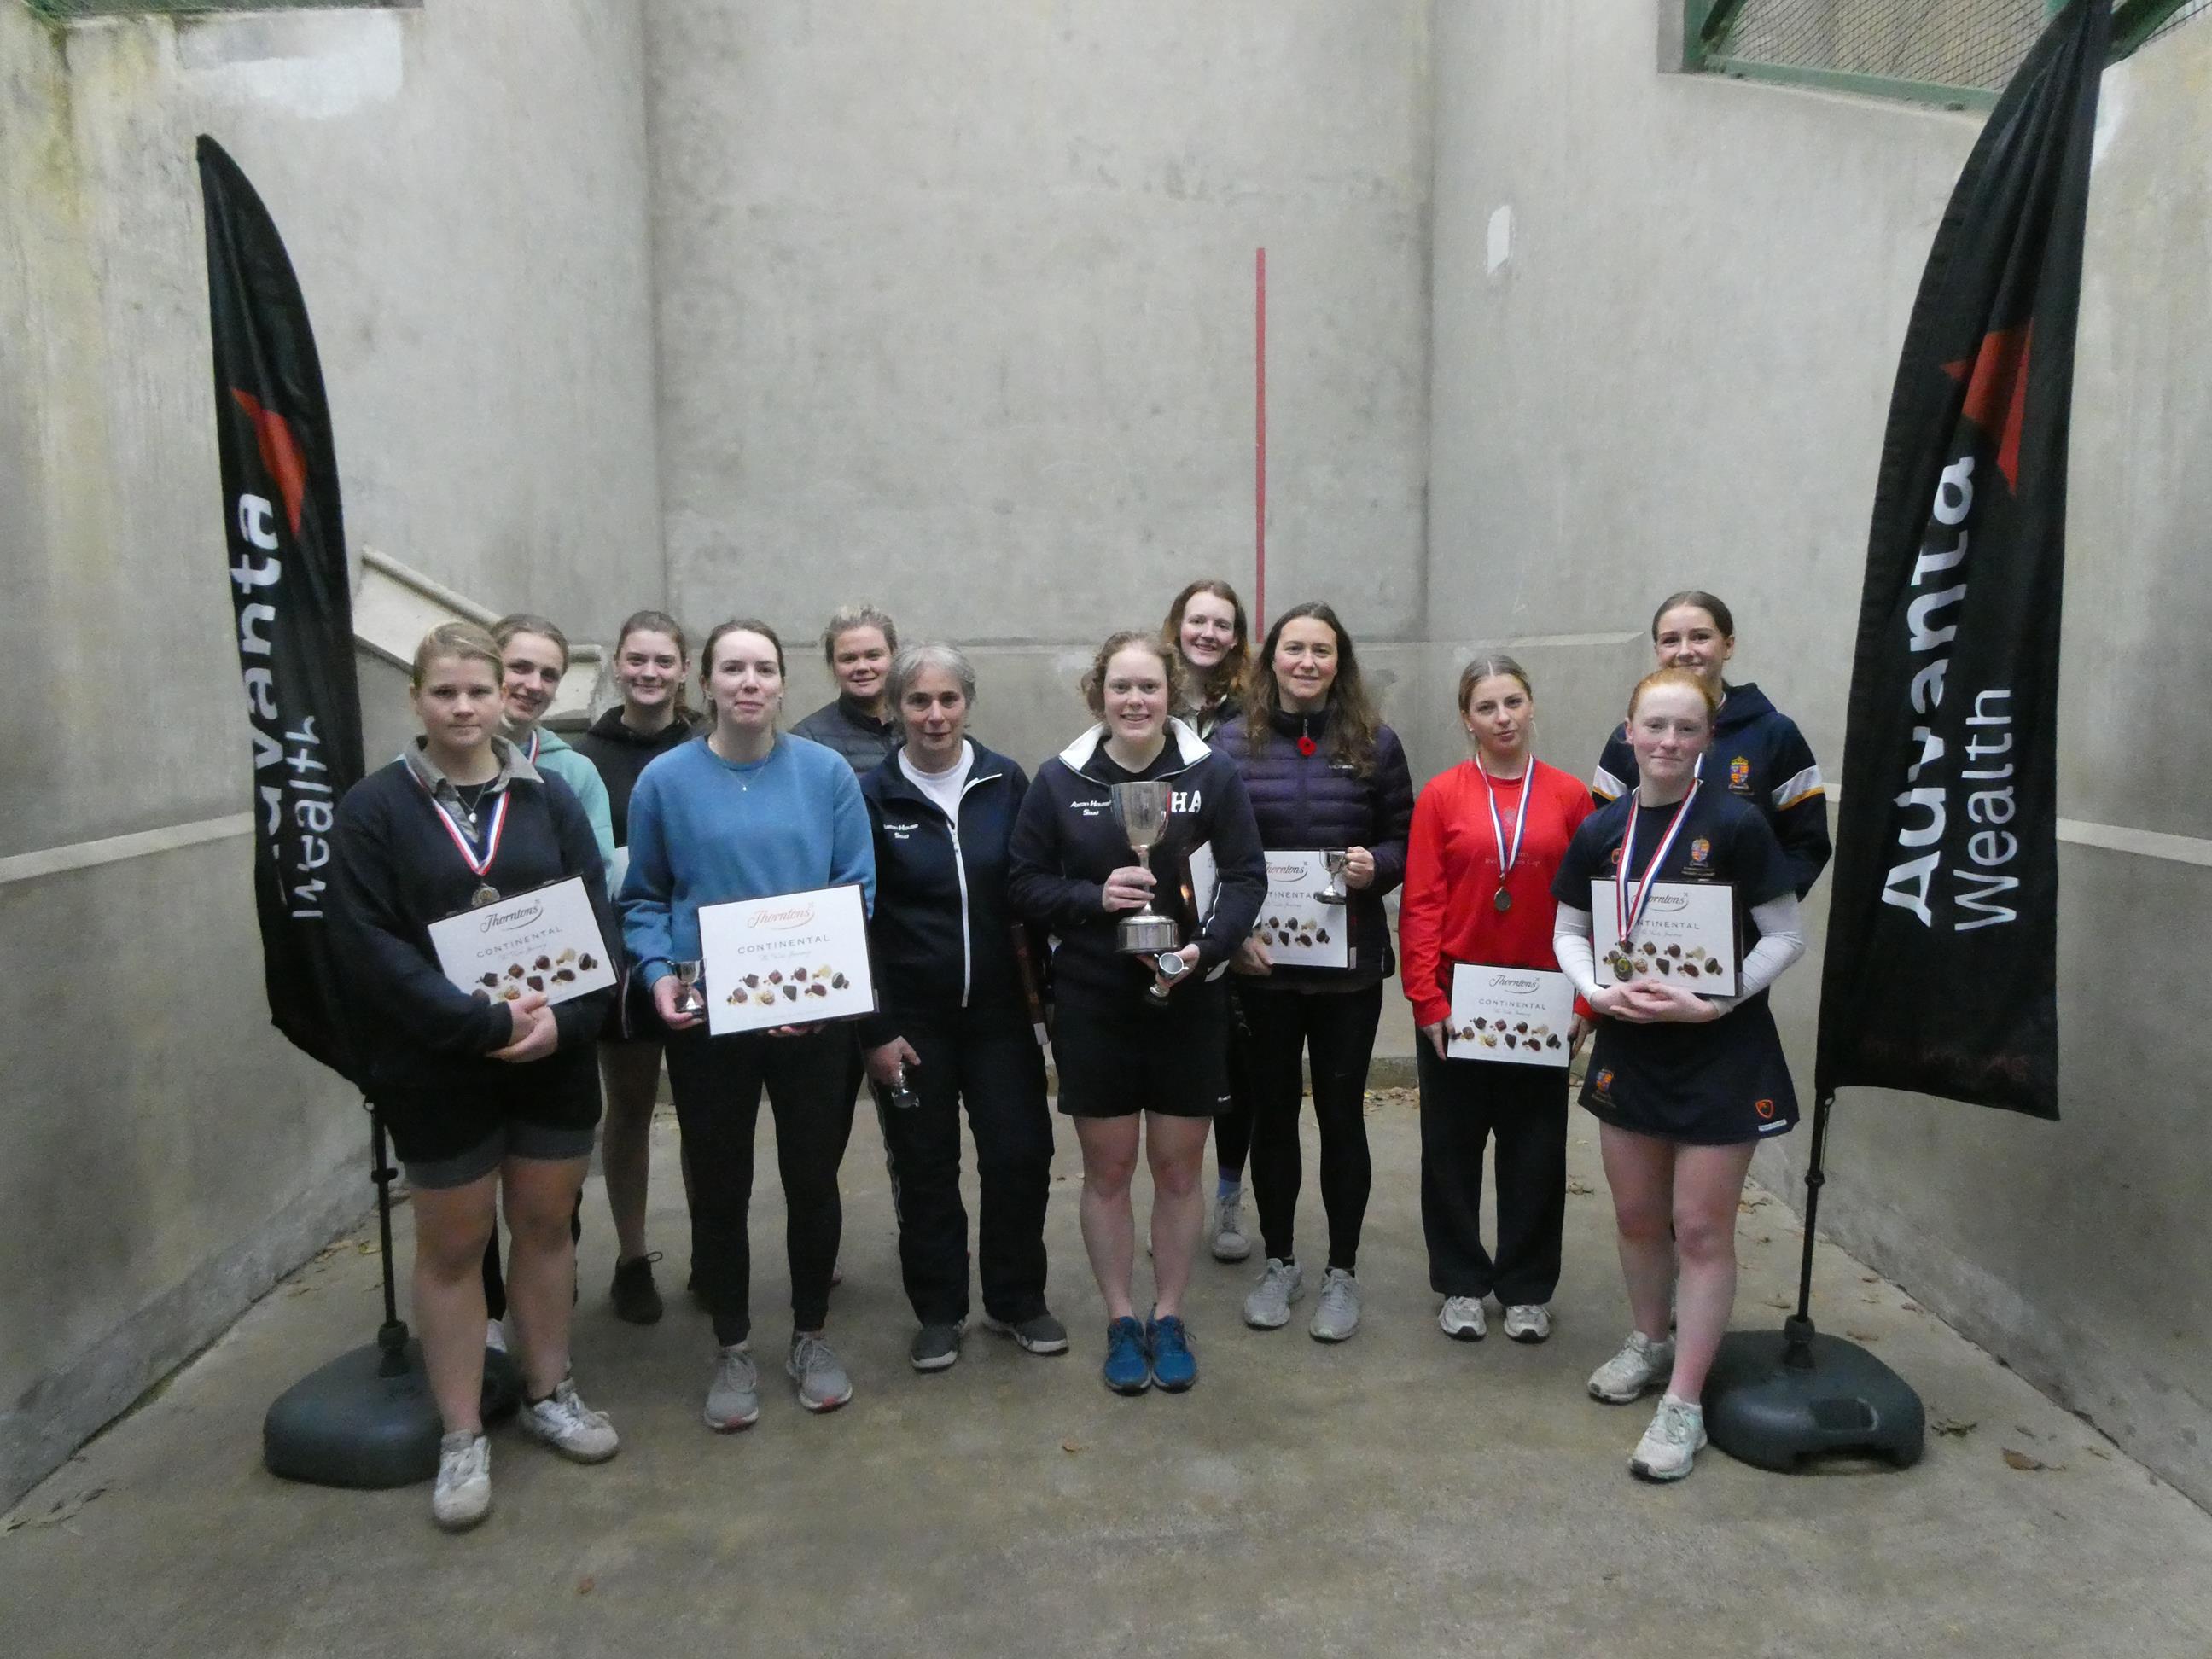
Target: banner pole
(392, 1335)
(1797, 1332)
(1259, 439)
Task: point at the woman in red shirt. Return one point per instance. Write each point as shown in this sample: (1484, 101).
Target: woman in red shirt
(1487, 837)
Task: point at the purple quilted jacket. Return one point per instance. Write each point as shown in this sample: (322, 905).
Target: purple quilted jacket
(1308, 802)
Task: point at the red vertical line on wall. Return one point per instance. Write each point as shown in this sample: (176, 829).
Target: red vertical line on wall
(1260, 439)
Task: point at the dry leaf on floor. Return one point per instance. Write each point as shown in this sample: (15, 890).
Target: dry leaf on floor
(1071, 1445)
(586, 1584)
(2098, 1451)
(1581, 1189)
(1779, 1302)
(2027, 1465)
(1953, 1425)
(1863, 1336)
(1912, 1307)
(1869, 1278)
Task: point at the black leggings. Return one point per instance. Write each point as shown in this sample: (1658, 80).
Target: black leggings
(717, 1082)
(1339, 1028)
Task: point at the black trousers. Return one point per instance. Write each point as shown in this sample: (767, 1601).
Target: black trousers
(1339, 1029)
(717, 1082)
(989, 1060)
(1233, 1129)
(1465, 1104)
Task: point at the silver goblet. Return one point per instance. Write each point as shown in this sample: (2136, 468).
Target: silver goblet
(1337, 861)
(689, 998)
(1141, 809)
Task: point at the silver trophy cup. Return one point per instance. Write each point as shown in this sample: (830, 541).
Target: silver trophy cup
(1141, 810)
(689, 998)
(1332, 892)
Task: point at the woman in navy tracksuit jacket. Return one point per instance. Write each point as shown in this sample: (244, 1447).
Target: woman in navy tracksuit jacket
(1120, 1054)
(958, 1024)
(1323, 772)
(1758, 754)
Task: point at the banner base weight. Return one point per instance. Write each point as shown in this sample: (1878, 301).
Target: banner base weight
(367, 1420)
(1774, 1399)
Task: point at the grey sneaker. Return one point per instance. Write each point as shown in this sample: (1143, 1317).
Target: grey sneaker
(1640, 1366)
(1525, 1322)
(1269, 1307)
(463, 1495)
(1231, 1242)
(935, 1348)
(1676, 1436)
(1043, 1336)
(565, 1423)
(733, 1394)
(1337, 1314)
(814, 1365)
(1461, 1318)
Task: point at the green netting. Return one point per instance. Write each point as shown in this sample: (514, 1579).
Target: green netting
(2194, 9)
(1949, 42)
(123, 8)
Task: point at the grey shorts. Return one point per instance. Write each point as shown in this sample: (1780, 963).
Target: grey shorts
(535, 1142)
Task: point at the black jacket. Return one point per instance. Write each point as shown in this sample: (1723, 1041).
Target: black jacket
(621, 754)
(395, 872)
(1308, 803)
(1067, 841)
(943, 931)
(853, 733)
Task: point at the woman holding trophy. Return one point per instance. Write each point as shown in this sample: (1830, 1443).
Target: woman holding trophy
(744, 813)
(487, 1094)
(1678, 908)
(1334, 801)
(1136, 847)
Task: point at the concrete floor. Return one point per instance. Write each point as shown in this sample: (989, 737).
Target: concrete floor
(1401, 1494)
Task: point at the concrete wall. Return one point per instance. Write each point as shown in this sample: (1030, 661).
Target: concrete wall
(956, 312)
(1678, 376)
(463, 191)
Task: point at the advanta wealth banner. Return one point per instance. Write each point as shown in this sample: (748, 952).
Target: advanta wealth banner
(285, 541)
(1943, 936)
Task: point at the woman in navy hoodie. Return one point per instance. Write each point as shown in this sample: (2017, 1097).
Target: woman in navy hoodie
(485, 1100)
(1324, 774)
(1119, 1053)
(957, 1026)
(1758, 754)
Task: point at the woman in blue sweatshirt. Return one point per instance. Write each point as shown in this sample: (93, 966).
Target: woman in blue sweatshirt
(1121, 1053)
(746, 813)
(1324, 773)
(957, 1026)
(486, 1100)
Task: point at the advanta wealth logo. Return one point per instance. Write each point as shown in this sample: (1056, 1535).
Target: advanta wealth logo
(783, 921)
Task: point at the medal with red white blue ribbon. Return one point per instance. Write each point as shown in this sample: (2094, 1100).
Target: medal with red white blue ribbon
(1630, 897)
(1502, 901)
(485, 892)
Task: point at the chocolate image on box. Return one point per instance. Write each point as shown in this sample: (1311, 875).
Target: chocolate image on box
(791, 993)
(568, 955)
(839, 982)
(775, 976)
(1522, 1026)
(1674, 950)
(481, 995)
(1322, 936)
(1661, 963)
(587, 962)
(510, 994)
(817, 989)
(1552, 1041)
(1489, 1040)
(1512, 1042)
(751, 980)
(765, 997)
(514, 970)
(799, 975)
(1696, 950)
(535, 982)
(564, 975)
(1272, 923)
(491, 979)
(543, 963)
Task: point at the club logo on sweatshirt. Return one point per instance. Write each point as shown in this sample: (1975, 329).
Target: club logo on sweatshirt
(1740, 773)
(1700, 850)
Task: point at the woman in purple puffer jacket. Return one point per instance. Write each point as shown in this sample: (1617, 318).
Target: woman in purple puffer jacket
(1324, 775)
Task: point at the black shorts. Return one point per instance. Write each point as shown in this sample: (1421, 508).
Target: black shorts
(450, 1137)
(1719, 1084)
(1172, 1061)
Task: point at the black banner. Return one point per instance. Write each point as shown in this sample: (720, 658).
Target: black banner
(1942, 932)
(288, 590)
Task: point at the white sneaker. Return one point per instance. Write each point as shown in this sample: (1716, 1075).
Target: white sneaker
(1526, 1323)
(463, 1495)
(734, 1391)
(1231, 1242)
(496, 1335)
(1461, 1318)
(1338, 1314)
(1640, 1366)
(1676, 1436)
(565, 1423)
(1269, 1307)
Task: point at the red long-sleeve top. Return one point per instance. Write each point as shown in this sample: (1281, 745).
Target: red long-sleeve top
(1448, 913)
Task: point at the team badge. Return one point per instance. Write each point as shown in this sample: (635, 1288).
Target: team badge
(1764, 1107)
(1740, 773)
(1700, 850)
(1604, 1081)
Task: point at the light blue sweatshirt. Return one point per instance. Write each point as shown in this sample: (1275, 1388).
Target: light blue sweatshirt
(704, 830)
(555, 755)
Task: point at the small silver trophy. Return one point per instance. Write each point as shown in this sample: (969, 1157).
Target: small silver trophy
(1337, 861)
(903, 1098)
(1141, 809)
(690, 999)
(1171, 967)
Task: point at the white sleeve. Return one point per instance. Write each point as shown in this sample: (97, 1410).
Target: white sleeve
(1781, 942)
(1571, 943)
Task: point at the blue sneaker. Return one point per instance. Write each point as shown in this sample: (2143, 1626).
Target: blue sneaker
(1175, 1367)
(1127, 1370)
